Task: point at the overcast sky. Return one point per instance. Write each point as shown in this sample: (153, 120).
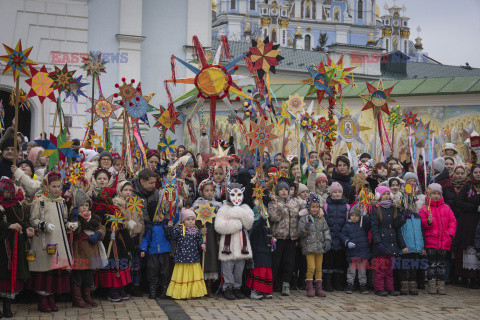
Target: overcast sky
(450, 29)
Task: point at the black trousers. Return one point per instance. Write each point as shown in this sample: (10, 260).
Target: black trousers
(300, 269)
(82, 278)
(408, 267)
(334, 261)
(283, 256)
(436, 264)
(157, 269)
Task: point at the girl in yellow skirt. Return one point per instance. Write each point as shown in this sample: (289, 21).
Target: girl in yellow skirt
(187, 278)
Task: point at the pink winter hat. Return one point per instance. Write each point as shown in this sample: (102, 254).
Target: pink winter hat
(380, 191)
(320, 177)
(435, 187)
(186, 213)
(335, 187)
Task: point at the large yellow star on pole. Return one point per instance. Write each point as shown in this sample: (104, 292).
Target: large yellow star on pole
(205, 213)
(17, 60)
(261, 136)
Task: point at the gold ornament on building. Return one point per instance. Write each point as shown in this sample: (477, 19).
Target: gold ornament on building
(386, 32)
(248, 28)
(265, 22)
(370, 40)
(405, 34)
(283, 23)
(298, 32)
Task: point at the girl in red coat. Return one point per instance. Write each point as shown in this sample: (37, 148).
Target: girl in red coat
(439, 227)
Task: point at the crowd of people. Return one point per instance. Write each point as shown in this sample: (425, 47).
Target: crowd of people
(284, 226)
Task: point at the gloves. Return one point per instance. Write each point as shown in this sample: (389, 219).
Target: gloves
(351, 245)
(93, 239)
(74, 214)
(49, 227)
(380, 248)
(72, 226)
(131, 224)
(327, 246)
(112, 236)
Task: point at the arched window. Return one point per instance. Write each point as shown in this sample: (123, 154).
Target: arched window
(284, 37)
(233, 4)
(394, 44)
(405, 44)
(360, 9)
(252, 4)
(308, 42)
(308, 9)
(274, 35)
(265, 33)
(387, 45)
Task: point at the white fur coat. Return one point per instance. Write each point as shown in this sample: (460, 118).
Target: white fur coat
(231, 220)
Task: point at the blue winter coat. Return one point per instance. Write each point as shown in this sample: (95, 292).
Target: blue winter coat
(413, 235)
(156, 241)
(353, 232)
(188, 245)
(336, 214)
(260, 242)
(388, 231)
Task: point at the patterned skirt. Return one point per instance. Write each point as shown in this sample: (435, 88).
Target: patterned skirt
(53, 282)
(260, 279)
(187, 281)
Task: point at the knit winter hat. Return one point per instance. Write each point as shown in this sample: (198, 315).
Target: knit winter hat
(335, 187)
(6, 144)
(410, 175)
(30, 164)
(320, 177)
(450, 146)
(312, 197)
(186, 213)
(80, 198)
(380, 191)
(439, 164)
(435, 187)
(355, 210)
(281, 184)
(105, 153)
(301, 188)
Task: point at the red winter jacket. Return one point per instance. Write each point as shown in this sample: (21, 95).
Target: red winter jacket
(440, 233)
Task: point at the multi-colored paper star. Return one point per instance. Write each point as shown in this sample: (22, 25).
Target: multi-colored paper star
(295, 104)
(96, 141)
(167, 144)
(377, 98)
(134, 204)
(17, 60)
(75, 89)
(261, 136)
(265, 56)
(62, 78)
(167, 119)
(40, 84)
(258, 192)
(410, 119)
(57, 149)
(205, 213)
(94, 64)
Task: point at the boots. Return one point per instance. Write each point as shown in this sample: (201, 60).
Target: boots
(238, 294)
(123, 295)
(338, 281)
(441, 287)
(286, 289)
(301, 283)
(51, 302)
(328, 282)
(7, 311)
(87, 296)
(412, 288)
(309, 285)
(403, 287)
(209, 284)
(294, 283)
(432, 286)
(113, 295)
(152, 292)
(228, 294)
(318, 289)
(43, 305)
(163, 292)
(77, 300)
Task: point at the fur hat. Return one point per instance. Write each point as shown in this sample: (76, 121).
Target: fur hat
(320, 177)
(301, 188)
(380, 191)
(335, 187)
(435, 187)
(439, 164)
(450, 146)
(89, 154)
(80, 198)
(312, 197)
(186, 213)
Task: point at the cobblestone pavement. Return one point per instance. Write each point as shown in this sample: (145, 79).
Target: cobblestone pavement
(459, 303)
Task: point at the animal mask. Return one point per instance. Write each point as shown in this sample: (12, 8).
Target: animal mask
(235, 193)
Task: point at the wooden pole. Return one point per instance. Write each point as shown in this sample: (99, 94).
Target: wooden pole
(15, 140)
(375, 121)
(283, 141)
(43, 123)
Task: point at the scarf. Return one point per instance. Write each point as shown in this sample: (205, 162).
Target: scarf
(8, 196)
(458, 184)
(386, 204)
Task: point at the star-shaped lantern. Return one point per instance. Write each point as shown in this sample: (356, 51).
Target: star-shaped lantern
(261, 136)
(205, 213)
(410, 119)
(17, 60)
(40, 84)
(75, 171)
(421, 133)
(104, 109)
(265, 56)
(377, 98)
(75, 89)
(62, 78)
(166, 120)
(94, 64)
(134, 204)
(258, 192)
(338, 74)
(319, 82)
(295, 104)
(57, 149)
(349, 128)
(284, 115)
(162, 168)
(96, 141)
(167, 144)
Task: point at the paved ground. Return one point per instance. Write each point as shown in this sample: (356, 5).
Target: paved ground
(459, 303)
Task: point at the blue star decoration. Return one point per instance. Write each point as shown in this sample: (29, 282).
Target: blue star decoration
(76, 89)
(162, 169)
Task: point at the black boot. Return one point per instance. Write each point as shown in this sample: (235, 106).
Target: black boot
(301, 283)
(152, 291)
(238, 294)
(228, 294)
(328, 282)
(294, 283)
(338, 281)
(163, 292)
(7, 311)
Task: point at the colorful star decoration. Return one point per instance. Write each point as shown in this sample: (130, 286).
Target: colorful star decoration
(134, 205)
(22, 99)
(205, 213)
(126, 91)
(167, 144)
(40, 84)
(410, 119)
(57, 149)
(94, 64)
(295, 104)
(232, 119)
(377, 98)
(17, 60)
(115, 221)
(395, 117)
(221, 157)
(62, 78)
(284, 114)
(338, 74)
(261, 136)
(166, 120)
(422, 132)
(75, 171)
(265, 56)
(258, 192)
(76, 89)
(104, 109)
(319, 82)
(96, 141)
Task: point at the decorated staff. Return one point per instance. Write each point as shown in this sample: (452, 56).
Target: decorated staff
(62, 81)
(17, 61)
(261, 138)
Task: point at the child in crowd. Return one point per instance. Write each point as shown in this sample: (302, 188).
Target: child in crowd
(318, 184)
(219, 179)
(315, 238)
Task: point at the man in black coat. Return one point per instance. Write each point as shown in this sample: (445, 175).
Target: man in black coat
(144, 188)
(6, 161)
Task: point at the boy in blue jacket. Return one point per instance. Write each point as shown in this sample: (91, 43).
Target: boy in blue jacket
(157, 246)
(355, 239)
